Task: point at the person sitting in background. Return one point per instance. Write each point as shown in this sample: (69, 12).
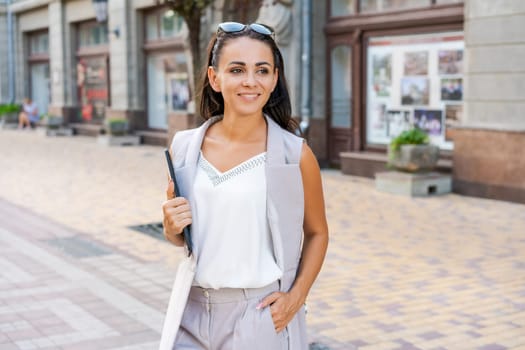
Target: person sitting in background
(29, 114)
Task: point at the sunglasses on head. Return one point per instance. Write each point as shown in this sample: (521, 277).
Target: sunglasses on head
(235, 27)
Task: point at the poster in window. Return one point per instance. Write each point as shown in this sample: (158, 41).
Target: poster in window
(429, 120)
(398, 120)
(382, 70)
(92, 87)
(453, 116)
(179, 91)
(414, 91)
(451, 89)
(378, 122)
(416, 63)
(450, 62)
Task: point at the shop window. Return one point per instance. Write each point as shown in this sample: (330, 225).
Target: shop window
(38, 68)
(342, 7)
(341, 77)
(92, 85)
(414, 81)
(39, 43)
(92, 34)
(40, 87)
(391, 5)
(168, 87)
(163, 24)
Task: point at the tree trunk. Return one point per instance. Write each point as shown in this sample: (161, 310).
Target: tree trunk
(194, 28)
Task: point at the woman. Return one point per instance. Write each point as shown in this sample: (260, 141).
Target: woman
(29, 114)
(252, 191)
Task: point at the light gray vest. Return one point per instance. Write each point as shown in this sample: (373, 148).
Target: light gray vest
(285, 201)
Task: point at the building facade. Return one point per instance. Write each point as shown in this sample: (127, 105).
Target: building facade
(452, 68)
(90, 61)
(359, 72)
(401, 63)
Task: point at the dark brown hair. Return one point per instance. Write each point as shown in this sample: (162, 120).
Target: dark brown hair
(278, 107)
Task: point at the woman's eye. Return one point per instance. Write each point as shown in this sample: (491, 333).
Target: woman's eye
(263, 71)
(236, 70)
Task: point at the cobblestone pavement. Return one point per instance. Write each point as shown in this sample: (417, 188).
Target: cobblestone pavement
(434, 273)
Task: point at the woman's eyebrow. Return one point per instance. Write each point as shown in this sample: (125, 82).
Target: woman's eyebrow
(240, 63)
(236, 63)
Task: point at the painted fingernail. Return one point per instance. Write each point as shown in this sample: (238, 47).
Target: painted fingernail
(259, 306)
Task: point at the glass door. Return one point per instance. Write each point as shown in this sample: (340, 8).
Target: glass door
(157, 109)
(168, 87)
(340, 102)
(40, 92)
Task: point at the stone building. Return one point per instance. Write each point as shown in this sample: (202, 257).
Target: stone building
(131, 61)
(453, 68)
(359, 71)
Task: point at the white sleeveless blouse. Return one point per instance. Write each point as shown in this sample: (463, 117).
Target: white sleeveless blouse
(235, 245)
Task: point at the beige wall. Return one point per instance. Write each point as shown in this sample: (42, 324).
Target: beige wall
(79, 10)
(495, 74)
(488, 146)
(33, 20)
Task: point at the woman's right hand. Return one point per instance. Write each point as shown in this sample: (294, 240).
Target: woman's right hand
(177, 215)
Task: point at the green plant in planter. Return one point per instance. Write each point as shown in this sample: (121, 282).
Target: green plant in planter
(413, 136)
(9, 108)
(117, 126)
(52, 121)
(9, 112)
(411, 151)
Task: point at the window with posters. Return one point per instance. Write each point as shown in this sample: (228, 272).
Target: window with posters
(92, 85)
(92, 71)
(414, 80)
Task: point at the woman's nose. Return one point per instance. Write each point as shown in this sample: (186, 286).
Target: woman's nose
(250, 80)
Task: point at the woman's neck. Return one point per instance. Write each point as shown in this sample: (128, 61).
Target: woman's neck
(246, 128)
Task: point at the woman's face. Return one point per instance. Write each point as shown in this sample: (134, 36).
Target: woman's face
(246, 76)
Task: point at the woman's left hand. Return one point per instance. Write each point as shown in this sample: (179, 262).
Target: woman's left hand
(283, 307)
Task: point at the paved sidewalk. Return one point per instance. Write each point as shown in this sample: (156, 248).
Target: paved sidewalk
(401, 273)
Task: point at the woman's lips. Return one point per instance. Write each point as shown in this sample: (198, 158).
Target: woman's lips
(249, 96)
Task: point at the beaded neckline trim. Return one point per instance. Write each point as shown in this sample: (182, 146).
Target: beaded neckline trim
(217, 177)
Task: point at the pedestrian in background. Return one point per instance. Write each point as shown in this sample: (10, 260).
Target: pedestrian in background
(29, 114)
(252, 191)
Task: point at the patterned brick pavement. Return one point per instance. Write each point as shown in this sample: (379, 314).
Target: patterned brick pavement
(401, 273)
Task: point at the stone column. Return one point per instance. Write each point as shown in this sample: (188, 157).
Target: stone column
(57, 71)
(118, 53)
(4, 75)
(122, 70)
(489, 143)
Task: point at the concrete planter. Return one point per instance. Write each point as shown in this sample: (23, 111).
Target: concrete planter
(116, 127)
(114, 140)
(414, 158)
(9, 120)
(53, 122)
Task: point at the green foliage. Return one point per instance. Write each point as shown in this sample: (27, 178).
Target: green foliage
(9, 108)
(115, 121)
(413, 136)
(117, 126)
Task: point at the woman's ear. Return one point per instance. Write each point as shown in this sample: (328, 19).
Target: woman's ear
(214, 80)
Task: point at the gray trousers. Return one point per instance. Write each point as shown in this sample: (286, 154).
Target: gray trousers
(227, 319)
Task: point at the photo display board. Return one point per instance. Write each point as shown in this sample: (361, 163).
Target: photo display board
(414, 80)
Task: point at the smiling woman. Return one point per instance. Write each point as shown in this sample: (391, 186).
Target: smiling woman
(252, 191)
